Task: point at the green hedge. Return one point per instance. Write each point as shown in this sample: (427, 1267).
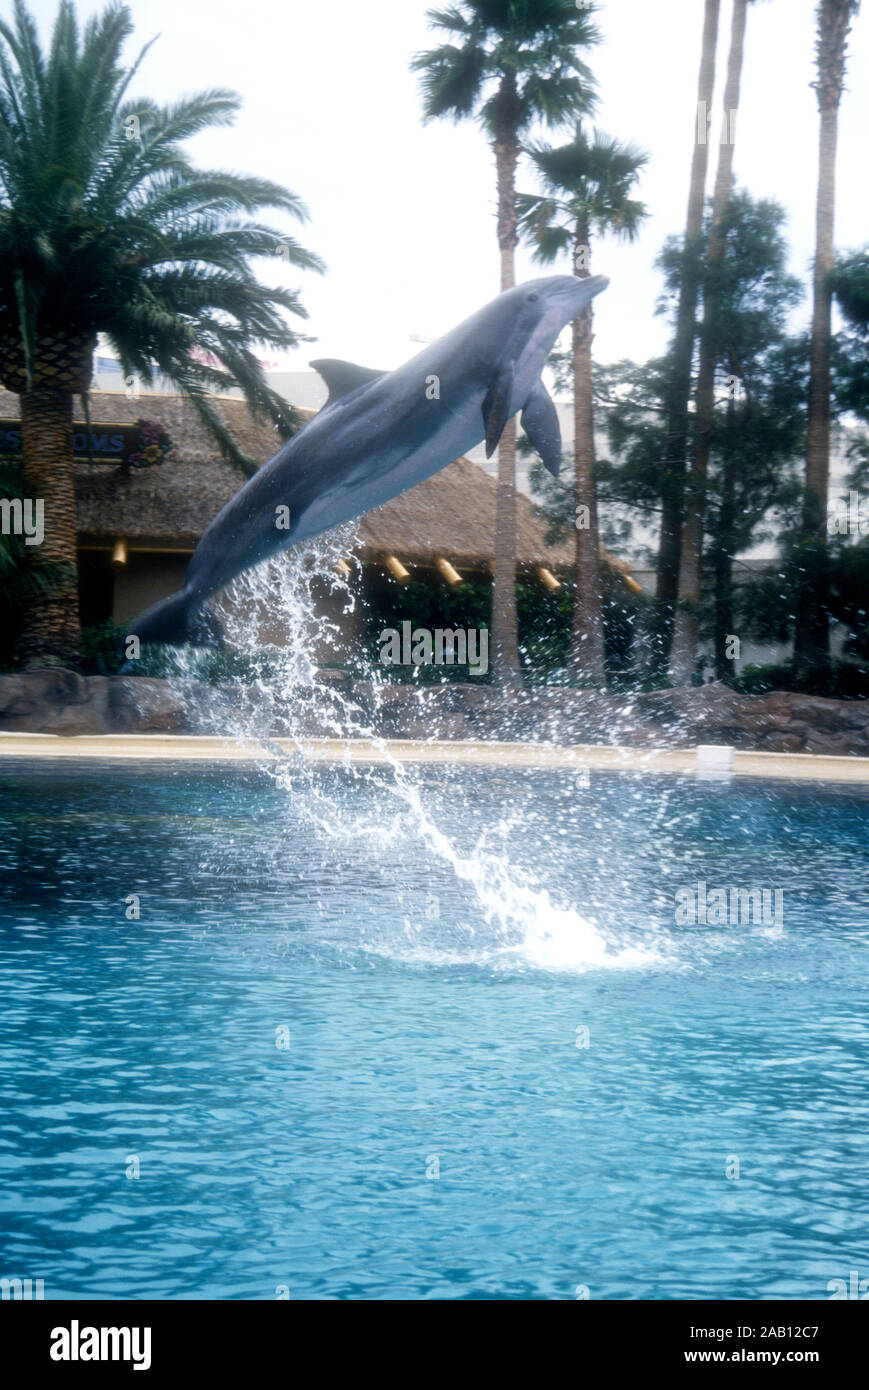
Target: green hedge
(842, 680)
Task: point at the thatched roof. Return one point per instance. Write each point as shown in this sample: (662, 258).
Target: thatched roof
(167, 507)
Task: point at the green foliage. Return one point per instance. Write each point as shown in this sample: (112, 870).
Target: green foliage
(764, 606)
(544, 623)
(530, 47)
(858, 457)
(544, 636)
(757, 437)
(222, 665)
(842, 680)
(102, 653)
(101, 649)
(849, 282)
(588, 184)
(627, 398)
(107, 226)
(848, 593)
(425, 604)
(544, 628)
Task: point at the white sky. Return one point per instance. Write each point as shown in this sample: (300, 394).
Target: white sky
(403, 213)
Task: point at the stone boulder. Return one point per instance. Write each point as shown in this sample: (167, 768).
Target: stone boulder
(61, 702)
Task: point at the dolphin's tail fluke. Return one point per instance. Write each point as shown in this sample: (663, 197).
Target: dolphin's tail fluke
(178, 621)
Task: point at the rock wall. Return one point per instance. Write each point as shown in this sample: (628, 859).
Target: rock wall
(61, 702)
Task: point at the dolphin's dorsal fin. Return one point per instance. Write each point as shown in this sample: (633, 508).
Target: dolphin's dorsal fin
(343, 377)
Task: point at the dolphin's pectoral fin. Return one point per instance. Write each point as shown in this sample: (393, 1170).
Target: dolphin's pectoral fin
(496, 406)
(540, 423)
(343, 377)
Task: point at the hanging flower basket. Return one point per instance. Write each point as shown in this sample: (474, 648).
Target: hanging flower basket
(151, 446)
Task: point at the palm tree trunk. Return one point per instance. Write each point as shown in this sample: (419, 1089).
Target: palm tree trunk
(505, 648)
(586, 659)
(686, 622)
(679, 391)
(51, 630)
(812, 634)
(722, 569)
(722, 555)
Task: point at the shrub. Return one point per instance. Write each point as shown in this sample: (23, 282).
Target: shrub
(841, 680)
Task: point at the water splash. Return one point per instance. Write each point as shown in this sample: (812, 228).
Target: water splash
(507, 918)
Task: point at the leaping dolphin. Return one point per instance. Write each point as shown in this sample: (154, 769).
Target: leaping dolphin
(380, 433)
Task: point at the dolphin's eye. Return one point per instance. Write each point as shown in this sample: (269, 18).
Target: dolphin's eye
(531, 299)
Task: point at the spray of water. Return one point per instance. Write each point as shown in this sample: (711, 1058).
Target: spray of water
(508, 917)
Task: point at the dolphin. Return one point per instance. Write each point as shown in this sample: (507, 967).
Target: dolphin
(380, 433)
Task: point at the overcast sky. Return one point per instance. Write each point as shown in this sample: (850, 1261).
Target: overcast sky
(403, 213)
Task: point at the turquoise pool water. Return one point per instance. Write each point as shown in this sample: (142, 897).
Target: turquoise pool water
(343, 1045)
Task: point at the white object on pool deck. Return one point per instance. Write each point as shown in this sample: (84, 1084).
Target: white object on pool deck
(714, 761)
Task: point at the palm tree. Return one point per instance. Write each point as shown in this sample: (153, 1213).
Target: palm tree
(679, 388)
(107, 227)
(686, 620)
(509, 63)
(588, 186)
(812, 635)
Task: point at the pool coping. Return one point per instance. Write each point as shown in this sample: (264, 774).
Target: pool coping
(712, 761)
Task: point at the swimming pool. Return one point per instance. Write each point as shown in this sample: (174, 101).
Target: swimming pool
(449, 1043)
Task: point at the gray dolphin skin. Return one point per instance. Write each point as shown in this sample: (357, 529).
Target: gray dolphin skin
(380, 433)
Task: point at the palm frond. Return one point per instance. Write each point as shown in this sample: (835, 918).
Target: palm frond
(451, 81)
(100, 232)
(589, 179)
(536, 42)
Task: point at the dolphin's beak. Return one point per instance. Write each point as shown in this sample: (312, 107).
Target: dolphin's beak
(587, 289)
(575, 294)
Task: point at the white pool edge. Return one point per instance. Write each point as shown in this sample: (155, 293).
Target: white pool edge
(713, 763)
